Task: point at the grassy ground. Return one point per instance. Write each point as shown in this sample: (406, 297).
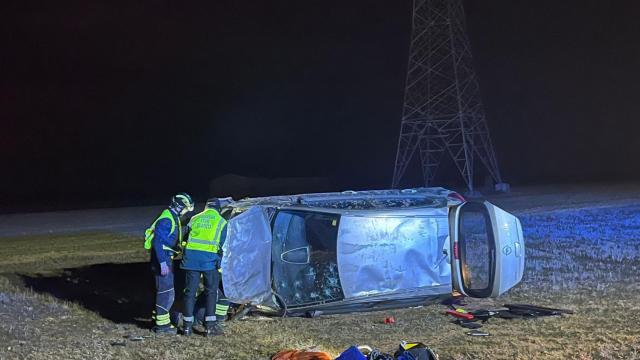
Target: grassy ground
(79, 296)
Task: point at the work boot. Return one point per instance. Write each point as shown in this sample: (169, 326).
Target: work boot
(213, 329)
(164, 330)
(187, 328)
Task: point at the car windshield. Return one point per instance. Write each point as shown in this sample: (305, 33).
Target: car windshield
(305, 269)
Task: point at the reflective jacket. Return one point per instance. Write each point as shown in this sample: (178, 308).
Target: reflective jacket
(207, 231)
(163, 236)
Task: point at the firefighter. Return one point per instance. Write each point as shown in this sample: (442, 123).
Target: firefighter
(162, 238)
(207, 231)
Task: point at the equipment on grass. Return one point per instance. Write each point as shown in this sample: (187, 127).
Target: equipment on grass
(533, 310)
(461, 315)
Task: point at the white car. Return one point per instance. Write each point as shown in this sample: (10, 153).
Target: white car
(367, 250)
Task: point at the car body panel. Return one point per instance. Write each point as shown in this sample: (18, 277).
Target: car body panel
(384, 254)
(509, 248)
(391, 248)
(246, 265)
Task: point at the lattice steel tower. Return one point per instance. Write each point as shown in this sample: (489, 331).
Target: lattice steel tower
(442, 110)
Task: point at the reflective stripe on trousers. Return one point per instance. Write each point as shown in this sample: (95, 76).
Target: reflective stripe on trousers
(221, 310)
(165, 295)
(222, 306)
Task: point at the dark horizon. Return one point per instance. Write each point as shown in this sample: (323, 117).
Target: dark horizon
(123, 103)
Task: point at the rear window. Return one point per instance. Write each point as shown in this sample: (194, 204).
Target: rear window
(476, 250)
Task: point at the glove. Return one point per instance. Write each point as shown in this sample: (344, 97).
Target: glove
(164, 269)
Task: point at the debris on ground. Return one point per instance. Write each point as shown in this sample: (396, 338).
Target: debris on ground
(470, 319)
(135, 337)
(468, 324)
(460, 313)
(526, 310)
(477, 333)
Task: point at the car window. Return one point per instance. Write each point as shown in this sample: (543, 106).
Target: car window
(476, 249)
(305, 269)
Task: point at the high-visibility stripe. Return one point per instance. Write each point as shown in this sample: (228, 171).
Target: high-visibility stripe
(218, 229)
(165, 247)
(210, 318)
(164, 319)
(188, 318)
(221, 310)
(205, 242)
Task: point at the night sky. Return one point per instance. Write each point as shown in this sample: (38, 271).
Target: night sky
(123, 102)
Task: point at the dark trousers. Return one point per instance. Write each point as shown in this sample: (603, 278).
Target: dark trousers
(192, 281)
(222, 307)
(164, 297)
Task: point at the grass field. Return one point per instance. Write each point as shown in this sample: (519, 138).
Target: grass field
(78, 296)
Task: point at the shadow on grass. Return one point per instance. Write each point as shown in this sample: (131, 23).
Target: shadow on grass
(122, 293)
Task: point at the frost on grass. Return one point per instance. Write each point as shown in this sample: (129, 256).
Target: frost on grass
(587, 248)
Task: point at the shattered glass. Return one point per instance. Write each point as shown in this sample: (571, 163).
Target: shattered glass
(311, 275)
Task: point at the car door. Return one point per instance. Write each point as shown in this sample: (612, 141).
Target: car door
(246, 264)
(487, 248)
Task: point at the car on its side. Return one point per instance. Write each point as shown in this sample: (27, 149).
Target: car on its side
(367, 250)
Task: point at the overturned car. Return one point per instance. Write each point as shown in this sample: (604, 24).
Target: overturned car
(367, 250)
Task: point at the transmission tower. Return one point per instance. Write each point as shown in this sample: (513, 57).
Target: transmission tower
(442, 112)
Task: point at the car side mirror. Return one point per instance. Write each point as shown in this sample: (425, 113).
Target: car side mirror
(297, 256)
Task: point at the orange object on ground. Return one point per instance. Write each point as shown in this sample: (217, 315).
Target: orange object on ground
(301, 355)
(460, 315)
